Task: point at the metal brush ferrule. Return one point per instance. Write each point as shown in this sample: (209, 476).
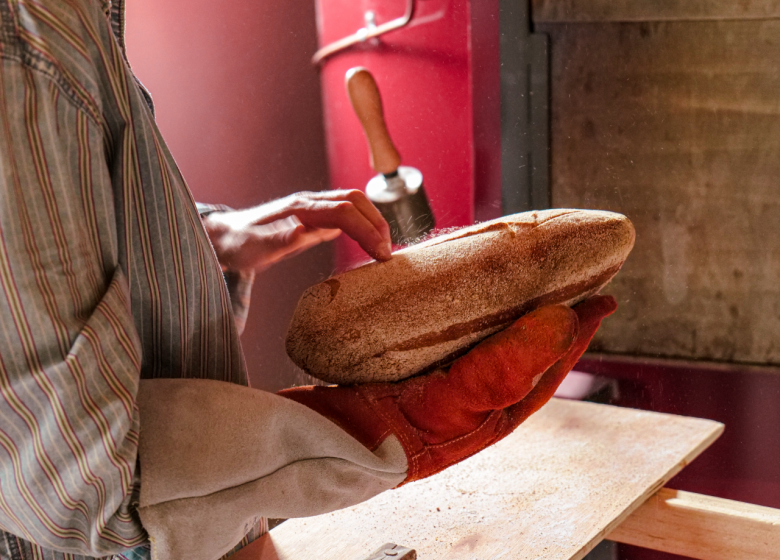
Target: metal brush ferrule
(402, 202)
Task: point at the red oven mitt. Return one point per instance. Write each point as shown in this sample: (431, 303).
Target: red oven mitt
(444, 417)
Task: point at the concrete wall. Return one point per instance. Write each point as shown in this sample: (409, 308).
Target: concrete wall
(676, 123)
(239, 104)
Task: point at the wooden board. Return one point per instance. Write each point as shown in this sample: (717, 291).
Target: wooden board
(657, 10)
(677, 125)
(551, 490)
(702, 527)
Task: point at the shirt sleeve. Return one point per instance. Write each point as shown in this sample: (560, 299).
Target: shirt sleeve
(70, 356)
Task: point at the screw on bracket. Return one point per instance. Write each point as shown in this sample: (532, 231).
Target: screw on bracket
(392, 551)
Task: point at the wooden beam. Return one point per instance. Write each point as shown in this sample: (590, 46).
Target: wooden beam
(702, 527)
(569, 11)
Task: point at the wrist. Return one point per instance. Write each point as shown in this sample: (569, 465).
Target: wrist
(220, 234)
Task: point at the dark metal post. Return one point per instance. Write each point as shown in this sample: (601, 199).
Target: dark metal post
(525, 111)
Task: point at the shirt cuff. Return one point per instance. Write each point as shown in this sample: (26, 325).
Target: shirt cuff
(206, 209)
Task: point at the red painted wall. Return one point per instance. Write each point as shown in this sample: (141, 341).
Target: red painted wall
(239, 104)
(439, 80)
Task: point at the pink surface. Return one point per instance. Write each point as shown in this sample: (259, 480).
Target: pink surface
(239, 105)
(236, 97)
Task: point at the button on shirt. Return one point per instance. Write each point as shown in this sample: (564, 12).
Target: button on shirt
(106, 277)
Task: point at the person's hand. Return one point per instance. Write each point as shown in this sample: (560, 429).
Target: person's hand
(258, 237)
(446, 416)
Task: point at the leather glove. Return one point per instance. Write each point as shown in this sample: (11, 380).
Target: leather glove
(444, 417)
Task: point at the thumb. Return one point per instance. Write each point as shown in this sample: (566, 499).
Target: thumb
(504, 368)
(496, 373)
(590, 313)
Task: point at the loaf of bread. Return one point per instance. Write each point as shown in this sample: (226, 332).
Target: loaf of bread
(433, 301)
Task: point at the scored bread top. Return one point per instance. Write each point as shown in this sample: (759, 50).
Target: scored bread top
(431, 301)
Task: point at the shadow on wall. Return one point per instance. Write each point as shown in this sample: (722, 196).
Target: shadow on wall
(239, 105)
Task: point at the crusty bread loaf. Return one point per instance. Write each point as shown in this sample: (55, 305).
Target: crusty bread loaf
(432, 301)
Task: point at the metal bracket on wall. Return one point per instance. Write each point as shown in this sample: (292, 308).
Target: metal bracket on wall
(370, 31)
(525, 111)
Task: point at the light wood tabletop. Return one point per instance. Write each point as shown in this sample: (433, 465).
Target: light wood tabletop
(552, 490)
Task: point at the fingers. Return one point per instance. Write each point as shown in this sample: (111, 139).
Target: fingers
(346, 217)
(257, 247)
(348, 211)
(283, 239)
(294, 242)
(367, 208)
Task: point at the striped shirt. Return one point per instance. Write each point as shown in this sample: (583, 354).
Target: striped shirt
(106, 277)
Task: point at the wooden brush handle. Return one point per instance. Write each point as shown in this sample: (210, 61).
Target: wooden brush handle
(365, 99)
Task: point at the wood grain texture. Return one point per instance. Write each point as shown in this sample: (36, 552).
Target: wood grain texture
(677, 126)
(702, 527)
(367, 103)
(551, 490)
(659, 10)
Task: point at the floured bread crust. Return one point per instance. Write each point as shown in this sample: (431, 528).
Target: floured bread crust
(432, 301)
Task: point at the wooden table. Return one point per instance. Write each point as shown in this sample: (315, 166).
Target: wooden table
(572, 475)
